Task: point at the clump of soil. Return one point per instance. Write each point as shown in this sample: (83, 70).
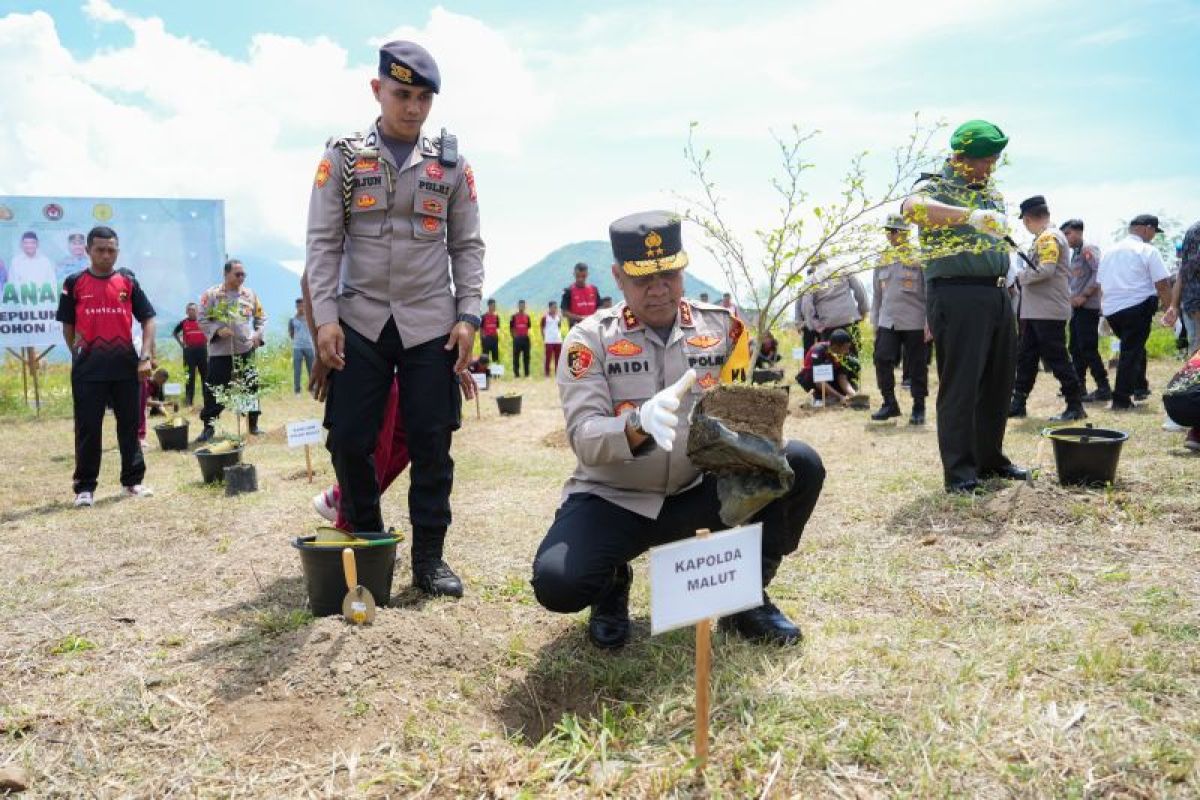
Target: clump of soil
(556, 438)
(748, 409)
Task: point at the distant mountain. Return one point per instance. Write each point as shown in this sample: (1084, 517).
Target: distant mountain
(546, 279)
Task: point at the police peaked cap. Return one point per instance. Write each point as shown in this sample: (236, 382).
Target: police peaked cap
(410, 64)
(648, 242)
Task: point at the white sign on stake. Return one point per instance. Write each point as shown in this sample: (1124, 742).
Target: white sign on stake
(304, 432)
(1115, 345)
(481, 380)
(172, 389)
(695, 579)
(496, 370)
(823, 372)
(797, 353)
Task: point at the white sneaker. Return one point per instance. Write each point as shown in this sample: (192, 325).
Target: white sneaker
(145, 445)
(84, 500)
(818, 403)
(322, 503)
(137, 490)
(1172, 426)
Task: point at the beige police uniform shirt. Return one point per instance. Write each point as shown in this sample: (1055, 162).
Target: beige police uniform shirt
(834, 302)
(412, 227)
(611, 363)
(249, 318)
(899, 295)
(1045, 293)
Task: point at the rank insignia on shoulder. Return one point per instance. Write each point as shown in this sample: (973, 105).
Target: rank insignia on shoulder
(705, 341)
(579, 360)
(624, 347)
(627, 317)
(685, 313)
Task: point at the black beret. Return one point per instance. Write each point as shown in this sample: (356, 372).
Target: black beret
(1033, 205)
(410, 64)
(649, 242)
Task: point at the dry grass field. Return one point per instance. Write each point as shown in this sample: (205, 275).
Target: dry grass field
(1034, 642)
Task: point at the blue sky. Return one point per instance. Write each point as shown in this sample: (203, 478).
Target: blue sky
(574, 114)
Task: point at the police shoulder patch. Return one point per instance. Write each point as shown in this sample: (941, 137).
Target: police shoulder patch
(579, 360)
(323, 170)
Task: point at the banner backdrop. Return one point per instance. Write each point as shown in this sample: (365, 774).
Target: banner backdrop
(175, 247)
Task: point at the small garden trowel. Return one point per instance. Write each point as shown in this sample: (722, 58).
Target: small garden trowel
(359, 606)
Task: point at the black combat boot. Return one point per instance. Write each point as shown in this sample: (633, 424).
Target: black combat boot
(608, 627)
(254, 429)
(918, 413)
(889, 409)
(431, 574)
(765, 623)
(1102, 394)
(206, 435)
(1017, 407)
(1072, 412)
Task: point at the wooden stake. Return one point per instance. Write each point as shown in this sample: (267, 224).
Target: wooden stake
(824, 401)
(478, 413)
(703, 663)
(32, 355)
(308, 460)
(20, 356)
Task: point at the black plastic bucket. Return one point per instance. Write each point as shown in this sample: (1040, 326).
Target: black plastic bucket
(171, 437)
(509, 404)
(1086, 456)
(212, 465)
(326, 582)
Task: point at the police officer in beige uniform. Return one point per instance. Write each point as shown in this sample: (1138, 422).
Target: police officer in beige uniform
(392, 220)
(898, 316)
(628, 379)
(1045, 309)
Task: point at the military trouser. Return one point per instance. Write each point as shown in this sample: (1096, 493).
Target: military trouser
(975, 340)
(431, 408)
(1085, 347)
(1045, 340)
(591, 536)
(889, 344)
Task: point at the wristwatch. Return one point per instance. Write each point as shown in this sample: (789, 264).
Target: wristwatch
(635, 422)
(470, 319)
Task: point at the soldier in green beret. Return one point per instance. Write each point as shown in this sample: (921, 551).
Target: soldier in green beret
(960, 218)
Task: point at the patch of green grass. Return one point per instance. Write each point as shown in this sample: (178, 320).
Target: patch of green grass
(1114, 575)
(275, 622)
(1102, 664)
(72, 644)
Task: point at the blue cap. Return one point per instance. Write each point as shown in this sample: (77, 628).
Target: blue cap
(410, 64)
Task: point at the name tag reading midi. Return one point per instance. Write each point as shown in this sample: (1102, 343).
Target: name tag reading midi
(695, 579)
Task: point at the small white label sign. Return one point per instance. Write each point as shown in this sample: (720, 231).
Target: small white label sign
(797, 353)
(823, 372)
(1115, 345)
(307, 431)
(481, 380)
(497, 370)
(172, 389)
(695, 579)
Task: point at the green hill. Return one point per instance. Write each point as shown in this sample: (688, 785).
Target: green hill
(546, 279)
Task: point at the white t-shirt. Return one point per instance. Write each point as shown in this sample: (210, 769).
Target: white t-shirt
(552, 329)
(1127, 274)
(24, 269)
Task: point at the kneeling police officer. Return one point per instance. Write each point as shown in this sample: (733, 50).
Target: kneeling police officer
(628, 379)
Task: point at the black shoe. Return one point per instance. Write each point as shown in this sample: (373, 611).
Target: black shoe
(906, 384)
(435, 578)
(970, 486)
(206, 435)
(1142, 394)
(1121, 405)
(256, 431)
(1016, 408)
(1102, 395)
(918, 416)
(1072, 412)
(608, 627)
(886, 411)
(765, 624)
(1009, 472)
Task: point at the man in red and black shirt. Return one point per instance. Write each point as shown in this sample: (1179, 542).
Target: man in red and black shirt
(580, 299)
(519, 325)
(191, 338)
(97, 309)
(489, 332)
(831, 353)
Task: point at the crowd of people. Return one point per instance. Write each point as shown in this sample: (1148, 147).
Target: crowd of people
(390, 308)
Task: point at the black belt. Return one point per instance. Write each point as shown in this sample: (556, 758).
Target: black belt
(963, 280)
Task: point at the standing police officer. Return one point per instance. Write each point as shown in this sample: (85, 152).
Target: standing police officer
(628, 380)
(898, 316)
(960, 217)
(393, 216)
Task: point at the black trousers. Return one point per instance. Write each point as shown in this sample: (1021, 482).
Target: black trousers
(195, 361)
(220, 373)
(809, 337)
(431, 408)
(592, 536)
(1045, 340)
(1132, 327)
(889, 345)
(491, 347)
(89, 400)
(1085, 347)
(975, 336)
(520, 355)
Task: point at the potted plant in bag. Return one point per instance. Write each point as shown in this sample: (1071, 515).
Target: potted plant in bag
(221, 459)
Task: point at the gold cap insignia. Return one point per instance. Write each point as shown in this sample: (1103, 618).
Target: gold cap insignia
(402, 74)
(653, 245)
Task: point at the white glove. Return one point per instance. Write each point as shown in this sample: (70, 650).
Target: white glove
(989, 223)
(657, 414)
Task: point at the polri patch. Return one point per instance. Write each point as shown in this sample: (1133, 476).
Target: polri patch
(624, 347)
(323, 170)
(430, 224)
(579, 360)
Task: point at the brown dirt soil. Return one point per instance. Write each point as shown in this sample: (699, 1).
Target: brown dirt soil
(747, 409)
